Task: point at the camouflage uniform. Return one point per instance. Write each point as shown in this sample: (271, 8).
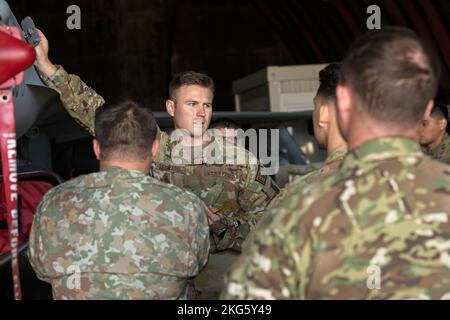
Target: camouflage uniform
(331, 165)
(385, 212)
(240, 193)
(125, 234)
(441, 152)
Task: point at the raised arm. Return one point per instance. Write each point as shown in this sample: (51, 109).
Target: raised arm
(78, 99)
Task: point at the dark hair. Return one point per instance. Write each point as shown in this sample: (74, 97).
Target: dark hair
(392, 75)
(188, 78)
(439, 110)
(125, 130)
(225, 123)
(329, 79)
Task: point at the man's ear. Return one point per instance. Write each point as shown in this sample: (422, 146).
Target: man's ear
(324, 116)
(155, 147)
(96, 147)
(170, 107)
(344, 107)
(428, 109)
(443, 124)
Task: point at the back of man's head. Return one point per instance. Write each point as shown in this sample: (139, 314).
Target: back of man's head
(329, 79)
(392, 75)
(189, 78)
(125, 131)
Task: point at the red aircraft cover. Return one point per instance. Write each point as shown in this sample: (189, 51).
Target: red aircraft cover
(15, 55)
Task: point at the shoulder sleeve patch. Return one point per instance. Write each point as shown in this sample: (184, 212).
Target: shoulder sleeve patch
(260, 178)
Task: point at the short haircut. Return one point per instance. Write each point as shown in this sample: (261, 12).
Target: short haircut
(440, 110)
(392, 75)
(188, 78)
(125, 130)
(329, 79)
(225, 123)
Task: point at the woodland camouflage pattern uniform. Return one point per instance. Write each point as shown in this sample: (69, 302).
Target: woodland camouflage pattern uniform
(441, 152)
(124, 234)
(240, 193)
(387, 208)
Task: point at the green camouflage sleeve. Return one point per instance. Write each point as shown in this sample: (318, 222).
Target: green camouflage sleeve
(78, 99)
(266, 267)
(298, 184)
(253, 198)
(200, 240)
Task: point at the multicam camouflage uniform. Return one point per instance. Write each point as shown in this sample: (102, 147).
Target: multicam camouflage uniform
(240, 193)
(123, 234)
(377, 229)
(331, 165)
(441, 152)
(292, 191)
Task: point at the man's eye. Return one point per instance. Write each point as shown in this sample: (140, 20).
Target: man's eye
(191, 104)
(207, 105)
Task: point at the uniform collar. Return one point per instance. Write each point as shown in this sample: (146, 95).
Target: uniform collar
(381, 149)
(436, 153)
(337, 154)
(108, 176)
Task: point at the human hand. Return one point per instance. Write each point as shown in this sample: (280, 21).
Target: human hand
(42, 61)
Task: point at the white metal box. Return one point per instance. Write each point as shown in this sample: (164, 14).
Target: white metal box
(278, 88)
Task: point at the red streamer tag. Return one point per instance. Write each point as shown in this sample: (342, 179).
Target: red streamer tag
(9, 166)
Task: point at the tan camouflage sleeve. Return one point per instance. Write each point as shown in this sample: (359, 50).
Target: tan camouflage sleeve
(78, 99)
(254, 197)
(265, 269)
(36, 252)
(259, 191)
(199, 240)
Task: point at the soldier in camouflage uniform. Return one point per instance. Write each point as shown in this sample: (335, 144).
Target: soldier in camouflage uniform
(379, 228)
(326, 132)
(119, 233)
(434, 138)
(236, 194)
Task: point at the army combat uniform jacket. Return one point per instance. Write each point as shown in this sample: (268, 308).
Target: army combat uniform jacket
(331, 165)
(377, 229)
(118, 234)
(239, 193)
(441, 152)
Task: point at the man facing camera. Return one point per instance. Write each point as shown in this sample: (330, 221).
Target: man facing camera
(118, 233)
(433, 135)
(235, 192)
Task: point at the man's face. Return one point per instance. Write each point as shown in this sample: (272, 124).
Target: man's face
(192, 109)
(429, 131)
(319, 132)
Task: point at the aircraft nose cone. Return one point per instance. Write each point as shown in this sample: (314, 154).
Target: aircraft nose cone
(15, 56)
(5, 12)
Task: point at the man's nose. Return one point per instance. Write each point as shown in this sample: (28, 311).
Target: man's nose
(201, 111)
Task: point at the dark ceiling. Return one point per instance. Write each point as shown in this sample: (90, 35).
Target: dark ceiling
(133, 47)
(321, 31)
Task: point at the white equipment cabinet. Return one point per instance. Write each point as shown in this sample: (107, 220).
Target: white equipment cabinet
(278, 88)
